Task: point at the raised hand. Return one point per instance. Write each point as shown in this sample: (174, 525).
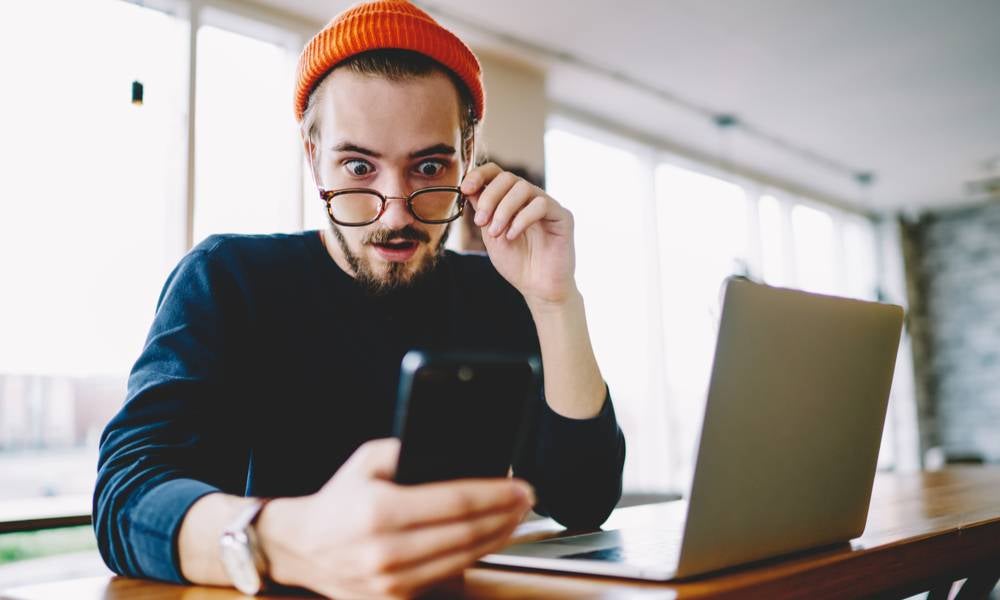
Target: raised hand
(363, 536)
(528, 235)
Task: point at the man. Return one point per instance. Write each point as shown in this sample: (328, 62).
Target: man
(271, 366)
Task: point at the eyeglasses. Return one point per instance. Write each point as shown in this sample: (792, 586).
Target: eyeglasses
(354, 207)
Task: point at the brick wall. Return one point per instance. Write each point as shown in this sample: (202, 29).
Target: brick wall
(953, 268)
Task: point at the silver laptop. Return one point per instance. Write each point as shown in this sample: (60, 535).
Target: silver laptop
(788, 447)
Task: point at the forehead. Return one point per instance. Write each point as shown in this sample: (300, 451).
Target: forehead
(370, 109)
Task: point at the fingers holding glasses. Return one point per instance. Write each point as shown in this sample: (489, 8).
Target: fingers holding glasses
(490, 186)
(515, 199)
(500, 197)
(533, 212)
(477, 178)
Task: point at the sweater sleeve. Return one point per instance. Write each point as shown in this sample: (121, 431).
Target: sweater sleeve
(575, 465)
(176, 438)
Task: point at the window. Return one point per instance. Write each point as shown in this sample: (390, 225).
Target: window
(617, 273)
(815, 250)
(656, 236)
(247, 140)
(775, 236)
(861, 271)
(96, 212)
(704, 238)
(81, 224)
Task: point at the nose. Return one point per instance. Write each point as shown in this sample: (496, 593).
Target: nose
(397, 214)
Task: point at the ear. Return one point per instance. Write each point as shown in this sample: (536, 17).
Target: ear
(469, 149)
(310, 155)
(470, 152)
(308, 148)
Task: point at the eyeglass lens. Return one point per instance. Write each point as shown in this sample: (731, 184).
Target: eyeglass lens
(363, 207)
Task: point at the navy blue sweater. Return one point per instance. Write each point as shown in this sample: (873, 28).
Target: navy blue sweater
(266, 366)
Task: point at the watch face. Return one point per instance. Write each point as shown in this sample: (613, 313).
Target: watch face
(238, 561)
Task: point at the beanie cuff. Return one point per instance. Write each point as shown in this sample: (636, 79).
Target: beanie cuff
(385, 24)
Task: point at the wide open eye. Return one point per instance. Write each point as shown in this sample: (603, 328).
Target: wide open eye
(358, 167)
(431, 168)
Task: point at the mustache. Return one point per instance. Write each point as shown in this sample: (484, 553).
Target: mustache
(382, 236)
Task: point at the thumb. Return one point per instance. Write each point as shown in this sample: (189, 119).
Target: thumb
(374, 459)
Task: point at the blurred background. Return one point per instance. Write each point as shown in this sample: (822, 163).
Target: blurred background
(850, 148)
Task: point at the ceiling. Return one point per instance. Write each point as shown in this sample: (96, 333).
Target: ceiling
(906, 89)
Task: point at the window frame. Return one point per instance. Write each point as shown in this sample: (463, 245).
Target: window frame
(653, 152)
(254, 21)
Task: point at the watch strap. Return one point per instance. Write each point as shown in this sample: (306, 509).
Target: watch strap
(260, 559)
(243, 533)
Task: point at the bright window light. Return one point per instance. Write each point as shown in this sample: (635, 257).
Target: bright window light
(859, 259)
(85, 221)
(704, 238)
(774, 242)
(91, 222)
(93, 217)
(654, 244)
(247, 144)
(815, 250)
(616, 270)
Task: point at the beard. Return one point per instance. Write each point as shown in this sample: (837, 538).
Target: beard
(398, 275)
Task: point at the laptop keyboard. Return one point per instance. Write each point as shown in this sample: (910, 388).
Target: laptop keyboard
(608, 554)
(653, 547)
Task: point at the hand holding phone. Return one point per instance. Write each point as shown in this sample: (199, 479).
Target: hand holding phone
(461, 415)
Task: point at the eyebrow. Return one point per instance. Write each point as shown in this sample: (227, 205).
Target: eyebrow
(428, 151)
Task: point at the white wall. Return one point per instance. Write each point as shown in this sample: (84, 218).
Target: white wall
(514, 127)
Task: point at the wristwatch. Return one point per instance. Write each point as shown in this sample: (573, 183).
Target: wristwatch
(242, 557)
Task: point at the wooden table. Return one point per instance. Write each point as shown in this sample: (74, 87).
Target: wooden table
(924, 530)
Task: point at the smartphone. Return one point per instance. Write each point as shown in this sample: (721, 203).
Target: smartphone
(462, 414)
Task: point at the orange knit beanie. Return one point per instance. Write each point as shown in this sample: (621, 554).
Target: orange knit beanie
(385, 24)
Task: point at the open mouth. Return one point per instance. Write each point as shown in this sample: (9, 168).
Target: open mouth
(397, 251)
(400, 245)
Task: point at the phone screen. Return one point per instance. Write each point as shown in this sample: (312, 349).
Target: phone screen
(461, 415)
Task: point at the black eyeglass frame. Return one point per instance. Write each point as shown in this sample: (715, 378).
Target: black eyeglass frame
(328, 195)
